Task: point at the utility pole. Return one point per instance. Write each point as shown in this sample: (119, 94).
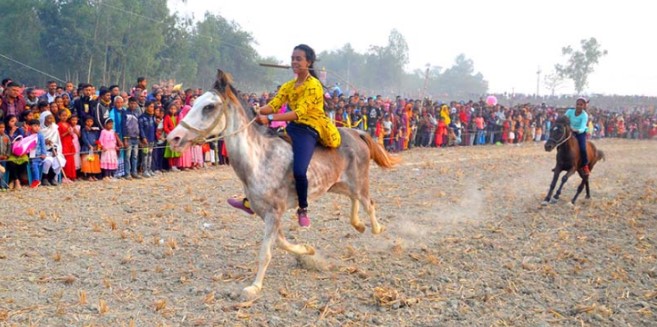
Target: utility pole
(538, 81)
(426, 81)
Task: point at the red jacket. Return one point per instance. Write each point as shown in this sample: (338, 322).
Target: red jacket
(169, 124)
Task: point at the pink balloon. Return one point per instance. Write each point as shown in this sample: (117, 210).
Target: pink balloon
(491, 100)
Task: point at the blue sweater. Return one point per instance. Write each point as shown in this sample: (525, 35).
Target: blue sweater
(578, 123)
(88, 139)
(41, 148)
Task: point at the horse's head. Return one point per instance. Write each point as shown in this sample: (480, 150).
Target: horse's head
(207, 116)
(559, 132)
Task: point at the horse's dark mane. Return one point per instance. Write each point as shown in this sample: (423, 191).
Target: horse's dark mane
(563, 120)
(224, 86)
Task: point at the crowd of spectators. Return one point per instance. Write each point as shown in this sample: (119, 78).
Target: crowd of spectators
(87, 134)
(109, 133)
(401, 124)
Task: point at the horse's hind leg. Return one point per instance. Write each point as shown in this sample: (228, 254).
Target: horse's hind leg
(272, 224)
(369, 207)
(588, 191)
(579, 190)
(355, 221)
(297, 249)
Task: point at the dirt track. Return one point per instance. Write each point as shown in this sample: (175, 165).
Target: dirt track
(467, 243)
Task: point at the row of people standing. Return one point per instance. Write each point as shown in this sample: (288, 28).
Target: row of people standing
(110, 139)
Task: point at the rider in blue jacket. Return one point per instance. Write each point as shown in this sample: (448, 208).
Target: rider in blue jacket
(578, 124)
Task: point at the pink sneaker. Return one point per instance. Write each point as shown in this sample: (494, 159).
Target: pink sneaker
(240, 204)
(302, 214)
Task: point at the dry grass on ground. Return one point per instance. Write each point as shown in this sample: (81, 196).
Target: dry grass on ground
(467, 243)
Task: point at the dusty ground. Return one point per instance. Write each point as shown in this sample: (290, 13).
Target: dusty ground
(467, 243)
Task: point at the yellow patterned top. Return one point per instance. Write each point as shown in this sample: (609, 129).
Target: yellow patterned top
(307, 101)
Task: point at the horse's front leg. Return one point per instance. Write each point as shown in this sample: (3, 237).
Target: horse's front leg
(579, 189)
(297, 249)
(588, 191)
(272, 225)
(555, 177)
(564, 179)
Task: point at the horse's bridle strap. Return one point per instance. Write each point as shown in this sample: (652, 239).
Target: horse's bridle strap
(203, 132)
(565, 138)
(200, 139)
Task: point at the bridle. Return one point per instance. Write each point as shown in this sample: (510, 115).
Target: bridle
(200, 139)
(566, 136)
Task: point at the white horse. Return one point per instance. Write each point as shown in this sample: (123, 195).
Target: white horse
(263, 162)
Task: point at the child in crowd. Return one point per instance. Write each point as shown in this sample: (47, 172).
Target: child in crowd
(5, 148)
(54, 110)
(108, 158)
(76, 140)
(42, 106)
(159, 163)
(90, 161)
(147, 133)
(16, 165)
(68, 149)
(170, 122)
(38, 154)
(26, 116)
(185, 160)
(54, 158)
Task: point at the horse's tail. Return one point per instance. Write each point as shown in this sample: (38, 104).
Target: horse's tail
(378, 153)
(601, 155)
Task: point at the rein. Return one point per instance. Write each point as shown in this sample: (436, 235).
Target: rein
(200, 139)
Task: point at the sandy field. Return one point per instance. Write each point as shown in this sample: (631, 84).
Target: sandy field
(467, 244)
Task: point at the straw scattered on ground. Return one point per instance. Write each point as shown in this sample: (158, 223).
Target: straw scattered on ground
(467, 243)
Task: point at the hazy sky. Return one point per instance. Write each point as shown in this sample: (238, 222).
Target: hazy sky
(507, 40)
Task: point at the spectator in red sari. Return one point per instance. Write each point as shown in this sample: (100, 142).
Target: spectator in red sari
(441, 133)
(66, 132)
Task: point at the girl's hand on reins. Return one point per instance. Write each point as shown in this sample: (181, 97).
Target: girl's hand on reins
(262, 120)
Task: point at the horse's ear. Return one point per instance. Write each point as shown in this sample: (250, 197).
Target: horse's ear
(223, 82)
(223, 85)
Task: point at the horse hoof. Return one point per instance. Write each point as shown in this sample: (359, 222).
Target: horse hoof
(360, 227)
(309, 250)
(571, 203)
(378, 229)
(554, 200)
(250, 293)
(545, 202)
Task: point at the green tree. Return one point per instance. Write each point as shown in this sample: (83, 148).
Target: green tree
(345, 66)
(385, 65)
(19, 34)
(460, 81)
(581, 63)
(553, 81)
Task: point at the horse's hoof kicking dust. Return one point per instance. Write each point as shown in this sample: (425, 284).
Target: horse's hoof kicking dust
(250, 293)
(360, 228)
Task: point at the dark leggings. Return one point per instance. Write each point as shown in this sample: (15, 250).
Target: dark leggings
(304, 139)
(15, 170)
(581, 140)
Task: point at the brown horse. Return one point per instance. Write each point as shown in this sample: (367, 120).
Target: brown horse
(568, 159)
